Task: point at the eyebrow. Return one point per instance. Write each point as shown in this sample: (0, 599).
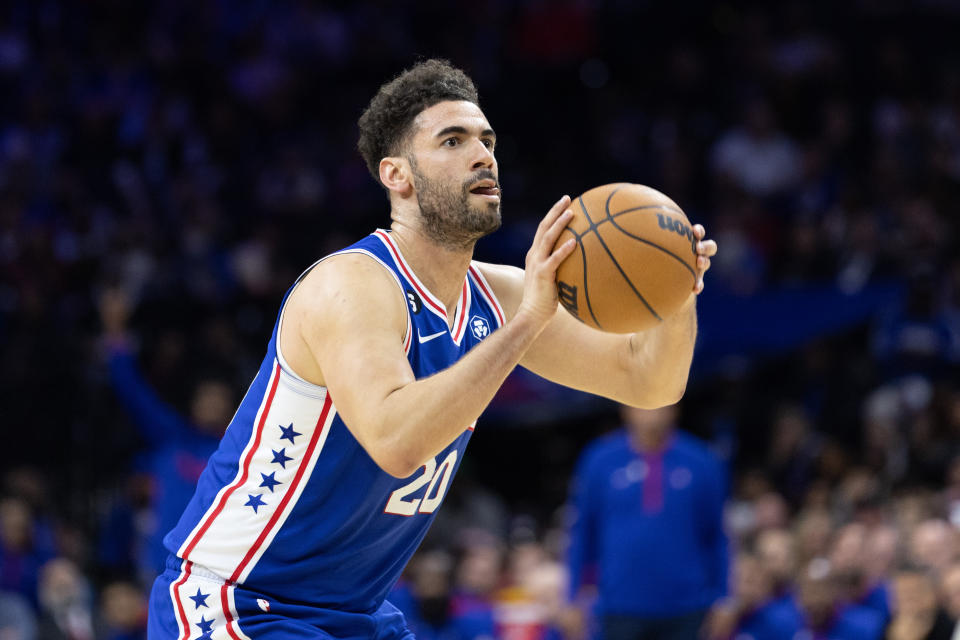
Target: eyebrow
(486, 133)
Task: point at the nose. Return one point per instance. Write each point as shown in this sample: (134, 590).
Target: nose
(483, 156)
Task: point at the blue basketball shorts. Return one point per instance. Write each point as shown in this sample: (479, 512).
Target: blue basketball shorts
(197, 604)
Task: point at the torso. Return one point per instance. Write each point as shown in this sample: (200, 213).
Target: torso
(291, 505)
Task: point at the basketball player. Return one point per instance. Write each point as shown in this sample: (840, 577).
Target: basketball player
(383, 356)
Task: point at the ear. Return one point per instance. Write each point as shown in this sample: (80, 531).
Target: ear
(396, 176)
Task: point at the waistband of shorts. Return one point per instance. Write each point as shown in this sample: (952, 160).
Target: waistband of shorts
(176, 564)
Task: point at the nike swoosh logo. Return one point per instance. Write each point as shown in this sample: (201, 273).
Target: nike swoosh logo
(430, 337)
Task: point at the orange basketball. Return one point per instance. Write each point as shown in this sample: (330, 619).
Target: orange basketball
(635, 262)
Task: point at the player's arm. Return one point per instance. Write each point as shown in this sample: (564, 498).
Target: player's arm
(349, 318)
(646, 369)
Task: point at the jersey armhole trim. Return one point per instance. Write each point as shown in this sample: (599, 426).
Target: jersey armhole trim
(487, 292)
(284, 365)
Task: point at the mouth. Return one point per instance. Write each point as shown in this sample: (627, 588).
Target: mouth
(487, 189)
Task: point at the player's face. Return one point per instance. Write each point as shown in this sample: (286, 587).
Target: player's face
(455, 173)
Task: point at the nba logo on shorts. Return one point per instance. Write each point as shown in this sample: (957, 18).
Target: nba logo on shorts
(479, 327)
(263, 604)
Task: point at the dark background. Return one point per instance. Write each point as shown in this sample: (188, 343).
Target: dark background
(199, 155)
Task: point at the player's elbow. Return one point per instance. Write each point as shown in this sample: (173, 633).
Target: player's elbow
(673, 393)
(398, 468)
(674, 396)
(385, 444)
(395, 460)
(660, 395)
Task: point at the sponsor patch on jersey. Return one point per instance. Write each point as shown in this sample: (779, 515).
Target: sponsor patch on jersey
(479, 327)
(414, 299)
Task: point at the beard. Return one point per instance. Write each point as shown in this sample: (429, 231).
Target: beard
(449, 218)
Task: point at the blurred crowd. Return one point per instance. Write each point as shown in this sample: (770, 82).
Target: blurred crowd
(168, 168)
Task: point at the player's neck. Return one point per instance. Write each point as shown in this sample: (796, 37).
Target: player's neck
(441, 269)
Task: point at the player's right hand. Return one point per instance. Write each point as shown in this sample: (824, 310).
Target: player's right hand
(539, 300)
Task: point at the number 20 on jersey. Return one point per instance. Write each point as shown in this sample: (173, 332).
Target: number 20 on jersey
(435, 477)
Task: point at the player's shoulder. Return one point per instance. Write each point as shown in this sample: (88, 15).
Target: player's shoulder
(346, 282)
(345, 274)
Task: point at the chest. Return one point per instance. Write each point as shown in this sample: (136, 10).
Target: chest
(434, 346)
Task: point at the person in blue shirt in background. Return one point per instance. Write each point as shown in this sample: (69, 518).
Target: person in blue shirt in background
(753, 612)
(26, 544)
(648, 519)
(177, 446)
(917, 615)
(825, 615)
(423, 595)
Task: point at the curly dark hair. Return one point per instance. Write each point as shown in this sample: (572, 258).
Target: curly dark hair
(386, 121)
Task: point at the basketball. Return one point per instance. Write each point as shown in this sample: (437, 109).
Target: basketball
(635, 262)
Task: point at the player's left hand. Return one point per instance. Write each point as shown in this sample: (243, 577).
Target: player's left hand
(705, 250)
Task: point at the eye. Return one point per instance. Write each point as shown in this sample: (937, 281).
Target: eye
(488, 143)
(451, 142)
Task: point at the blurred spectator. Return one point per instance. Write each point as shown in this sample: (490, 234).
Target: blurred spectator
(478, 576)
(917, 337)
(825, 615)
(125, 527)
(17, 620)
(178, 447)
(648, 520)
(547, 584)
(879, 556)
(66, 603)
(933, 545)
(846, 559)
(770, 511)
(424, 596)
(530, 604)
(794, 449)
(21, 553)
(951, 490)
(950, 595)
(753, 611)
(917, 615)
(776, 551)
(757, 156)
(123, 612)
(813, 529)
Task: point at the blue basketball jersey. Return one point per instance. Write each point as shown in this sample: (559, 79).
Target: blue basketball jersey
(291, 505)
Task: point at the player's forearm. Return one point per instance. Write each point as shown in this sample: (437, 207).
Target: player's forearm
(659, 360)
(423, 417)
